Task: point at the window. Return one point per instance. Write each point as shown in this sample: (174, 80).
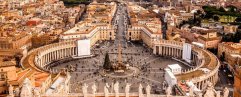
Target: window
(2, 76)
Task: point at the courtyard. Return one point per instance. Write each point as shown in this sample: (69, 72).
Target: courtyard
(86, 70)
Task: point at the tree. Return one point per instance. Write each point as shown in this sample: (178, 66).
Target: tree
(215, 18)
(222, 57)
(213, 50)
(227, 37)
(199, 12)
(221, 9)
(238, 19)
(195, 17)
(232, 8)
(18, 59)
(237, 36)
(107, 64)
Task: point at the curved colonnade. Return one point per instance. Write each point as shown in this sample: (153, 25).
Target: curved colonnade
(203, 67)
(39, 58)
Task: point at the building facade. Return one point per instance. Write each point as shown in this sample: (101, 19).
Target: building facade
(226, 49)
(231, 53)
(144, 25)
(96, 26)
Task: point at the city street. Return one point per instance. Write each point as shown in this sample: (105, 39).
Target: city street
(224, 80)
(121, 26)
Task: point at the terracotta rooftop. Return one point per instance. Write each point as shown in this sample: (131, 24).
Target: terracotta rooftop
(209, 39)
(232, 46)
(7, 63)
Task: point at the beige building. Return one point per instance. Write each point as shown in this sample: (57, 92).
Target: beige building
(11, 75)
(144, 26)
(228, 48)
(96, 26)
(42, 81)
(14, 42)
(87, 30)
(15, 38)
(230, 29)
(7, 73)
(101, 12)
(237, 75)
(208, 37)
(175, 17)
(232, 54)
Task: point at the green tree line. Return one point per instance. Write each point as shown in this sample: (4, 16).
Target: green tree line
(213, 10)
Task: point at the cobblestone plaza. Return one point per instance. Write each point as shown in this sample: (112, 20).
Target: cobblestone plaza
(151, 68)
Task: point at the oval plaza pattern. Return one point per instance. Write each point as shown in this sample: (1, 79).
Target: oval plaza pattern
(38, 58)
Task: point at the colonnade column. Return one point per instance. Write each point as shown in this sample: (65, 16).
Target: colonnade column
(40, 62)
(160, 50)
(212, 79)
(154, 50)
(62, 53)
(171, 51)
(165, 51)
(71, 54)
(47, 58)
(75, 50)
(177, 53)
(50, 56)
(53, 55)
(57, 54)
(199, 85)
(180, 53)
(72, 50)
(66, 52)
